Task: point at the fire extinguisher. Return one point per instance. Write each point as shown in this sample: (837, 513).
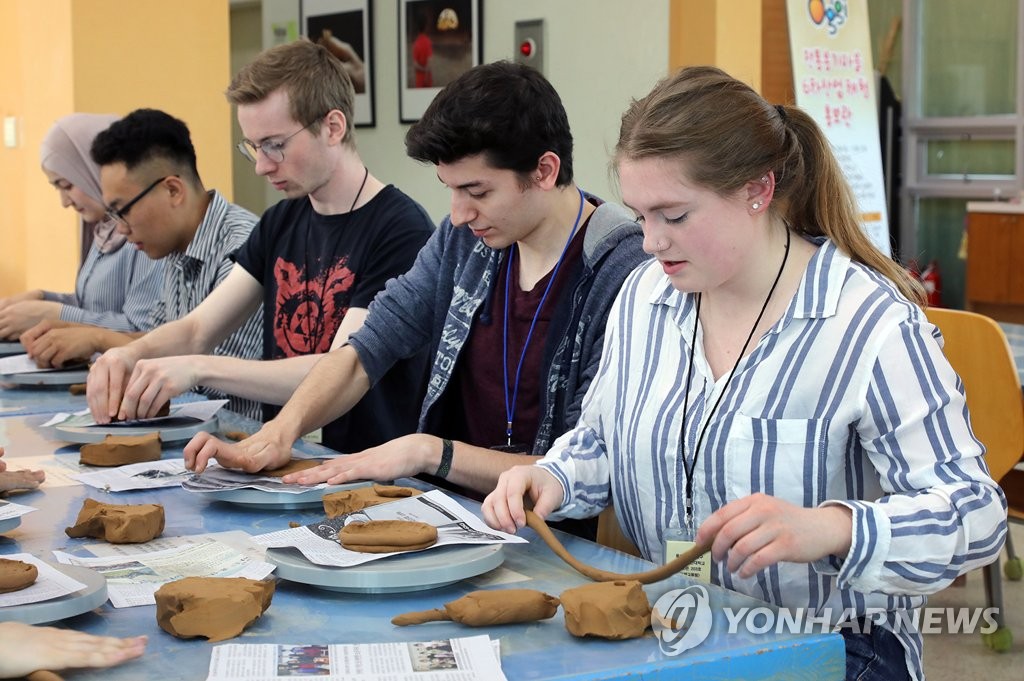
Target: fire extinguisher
(932, 281)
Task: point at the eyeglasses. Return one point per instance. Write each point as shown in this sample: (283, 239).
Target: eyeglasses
(271, 149)
(118, 214)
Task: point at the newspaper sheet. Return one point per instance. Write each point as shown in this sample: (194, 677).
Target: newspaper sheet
(51, 583)
(455, 525)
(23, 364)
(239, 540)
(202, 410)
(472, 658)
(145, 475)
(133, 579)
(10, 510)
(218, 479)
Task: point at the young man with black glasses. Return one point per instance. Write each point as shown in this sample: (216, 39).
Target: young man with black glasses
(315, 261)
(153, 193)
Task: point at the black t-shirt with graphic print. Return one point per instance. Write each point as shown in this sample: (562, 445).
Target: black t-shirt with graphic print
(313, 268)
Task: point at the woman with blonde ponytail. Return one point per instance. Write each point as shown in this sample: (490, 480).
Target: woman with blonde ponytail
(770, 386)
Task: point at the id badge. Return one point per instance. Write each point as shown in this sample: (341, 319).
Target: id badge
(678, 541)
(314, 436)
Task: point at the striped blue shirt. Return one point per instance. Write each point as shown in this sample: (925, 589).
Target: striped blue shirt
(192, 275)
(114, 290)
(847, 400)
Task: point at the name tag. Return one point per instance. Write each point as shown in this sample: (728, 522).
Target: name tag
(699, 569)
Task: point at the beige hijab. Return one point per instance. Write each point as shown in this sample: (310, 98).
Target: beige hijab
(65, 151)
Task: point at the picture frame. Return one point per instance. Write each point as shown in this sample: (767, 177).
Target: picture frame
(345, 27)
(438, 40)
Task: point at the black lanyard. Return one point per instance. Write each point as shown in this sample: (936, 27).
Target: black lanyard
(688, 470)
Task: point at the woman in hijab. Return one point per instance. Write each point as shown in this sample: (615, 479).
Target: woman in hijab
(117, 287)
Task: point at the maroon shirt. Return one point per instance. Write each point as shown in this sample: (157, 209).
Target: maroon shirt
(480, 418)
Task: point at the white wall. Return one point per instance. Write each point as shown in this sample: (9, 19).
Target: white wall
(600, 55)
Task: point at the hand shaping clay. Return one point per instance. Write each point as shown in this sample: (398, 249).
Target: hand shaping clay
(127, 524)
(15, 575)
(164, 410)
(387, 536)
(484, 608)
(352, 500)
(616, 610)
(14, 481)
(66, 364)
(218, 608)
(77, 388)
(293, 466)
(117, 450)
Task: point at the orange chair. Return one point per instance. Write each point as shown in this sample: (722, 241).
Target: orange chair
(977, 349)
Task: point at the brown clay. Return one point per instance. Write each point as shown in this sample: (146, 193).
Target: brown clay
(66, 364)
(218, 608)
(127, 524)
(352, 500)
(485, 608)
(615, 610)
(118, 450)
(387, 536)
(77, 388)
(293, 466)
(16, 575)
(535, 523)
(236, 435)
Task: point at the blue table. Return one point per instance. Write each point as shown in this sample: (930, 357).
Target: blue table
(16, 400)
(303, 614)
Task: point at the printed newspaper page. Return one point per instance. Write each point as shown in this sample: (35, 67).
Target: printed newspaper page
(132, 580)
(202, 410)
(459, 659)
(217, 479)
(455, 525)
(51, 583)
(145, 475)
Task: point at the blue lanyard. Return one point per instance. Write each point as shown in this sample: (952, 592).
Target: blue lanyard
(510, 403)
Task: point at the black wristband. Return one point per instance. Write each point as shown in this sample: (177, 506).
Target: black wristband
(447, 451)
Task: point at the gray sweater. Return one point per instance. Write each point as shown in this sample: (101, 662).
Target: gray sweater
(436, 303)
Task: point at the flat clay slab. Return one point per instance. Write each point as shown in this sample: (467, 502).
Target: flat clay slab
(614, 610)
(118, 450)
(118, 524)
(293, 466)
(16, 575)
(387, 536)
(218, 608)
(350, 501)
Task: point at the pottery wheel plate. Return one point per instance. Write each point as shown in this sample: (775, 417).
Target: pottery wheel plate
(8, 524)
(257, 498)
(170, 430)
(68, 377)
(417, 571)
(92, 596)
(11, 348)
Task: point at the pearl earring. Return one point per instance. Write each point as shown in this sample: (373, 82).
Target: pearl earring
(765, 179)
(755, 205)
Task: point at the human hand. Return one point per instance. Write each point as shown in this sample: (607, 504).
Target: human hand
(400, 458)
(154, 382)
(19, 297)
(758, 531)
(106, 382)
(503, 508)
(25, 648)
(346, 54)
(52, 342)
(268, 448)
(20, 480)
(19, 317)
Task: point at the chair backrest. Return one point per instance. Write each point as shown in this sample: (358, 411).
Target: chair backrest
(978, 351)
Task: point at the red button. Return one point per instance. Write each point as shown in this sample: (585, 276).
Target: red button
(527, 47)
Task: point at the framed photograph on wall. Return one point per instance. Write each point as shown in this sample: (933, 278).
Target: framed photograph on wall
(345, 27)
(438, 40)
